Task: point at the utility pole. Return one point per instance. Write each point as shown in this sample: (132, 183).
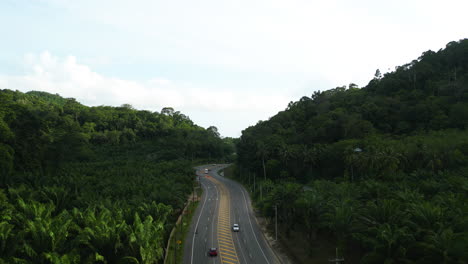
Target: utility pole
(276, 222)
(261, 193)
(336, 260)
(356, 150)
(175, 246)
(254, 182)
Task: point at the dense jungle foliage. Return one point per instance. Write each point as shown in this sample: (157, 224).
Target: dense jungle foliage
(381, 170)
(100, 184)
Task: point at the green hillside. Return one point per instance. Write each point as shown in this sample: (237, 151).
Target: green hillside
(48, 97)
(100, 184)
(381, 172)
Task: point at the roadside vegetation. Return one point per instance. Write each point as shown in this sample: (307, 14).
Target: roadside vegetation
(99, 184)
(380, 172)
(179, 234)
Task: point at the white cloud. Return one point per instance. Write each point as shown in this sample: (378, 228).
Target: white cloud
(268, 49)
(67, 77)
(343, 40)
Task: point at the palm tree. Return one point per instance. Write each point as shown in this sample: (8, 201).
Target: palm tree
(40, 231)
(102, 234)
(8, 240)
(32, 209)
(55, 258)
(312, 206)
(159, 212)
(58, 196)
(378, 212)
(341, 219)
(390, 243)
(426, 215)
(263, 153)
(147, 238)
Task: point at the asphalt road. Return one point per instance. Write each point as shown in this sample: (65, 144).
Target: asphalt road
(224, 203)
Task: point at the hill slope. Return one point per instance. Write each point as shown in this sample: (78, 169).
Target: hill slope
(380, 171)
(93, 184)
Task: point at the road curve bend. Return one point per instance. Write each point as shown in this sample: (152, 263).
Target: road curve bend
(224, 203)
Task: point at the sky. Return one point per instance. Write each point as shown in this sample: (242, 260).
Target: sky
(223, 63)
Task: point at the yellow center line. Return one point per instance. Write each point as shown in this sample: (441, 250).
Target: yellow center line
(226, 244)
(232, 259)
(230, 249)
(229, 253)
(225, 235)
(225, 238)
(227, 249)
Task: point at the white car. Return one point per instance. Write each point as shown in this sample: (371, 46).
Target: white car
(235, 228)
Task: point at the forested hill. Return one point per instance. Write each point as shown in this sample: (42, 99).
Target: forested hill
(384, 166)
(38, 129)
(100, 184)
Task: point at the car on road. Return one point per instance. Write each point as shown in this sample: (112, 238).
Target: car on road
(213, 252)
(207, 170)
(235, 228)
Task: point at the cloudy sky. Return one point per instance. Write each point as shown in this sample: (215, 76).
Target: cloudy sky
(222, 63)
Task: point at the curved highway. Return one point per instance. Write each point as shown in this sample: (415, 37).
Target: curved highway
(224, 203)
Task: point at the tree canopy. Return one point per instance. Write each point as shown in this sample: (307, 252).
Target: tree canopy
(94, 184)
(381, 169)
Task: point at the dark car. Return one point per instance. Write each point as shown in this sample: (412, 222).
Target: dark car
(213, 252)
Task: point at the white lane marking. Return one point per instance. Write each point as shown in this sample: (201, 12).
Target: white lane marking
(211, 213)
(198, 220)
(214, 217)
(217, 198)
(251, 227)
(242, 252)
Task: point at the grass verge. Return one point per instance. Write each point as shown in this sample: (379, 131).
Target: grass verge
(175, 251)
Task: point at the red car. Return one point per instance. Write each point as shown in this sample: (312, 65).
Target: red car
(213, 252)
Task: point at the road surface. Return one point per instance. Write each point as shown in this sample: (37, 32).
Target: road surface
(224, 203)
